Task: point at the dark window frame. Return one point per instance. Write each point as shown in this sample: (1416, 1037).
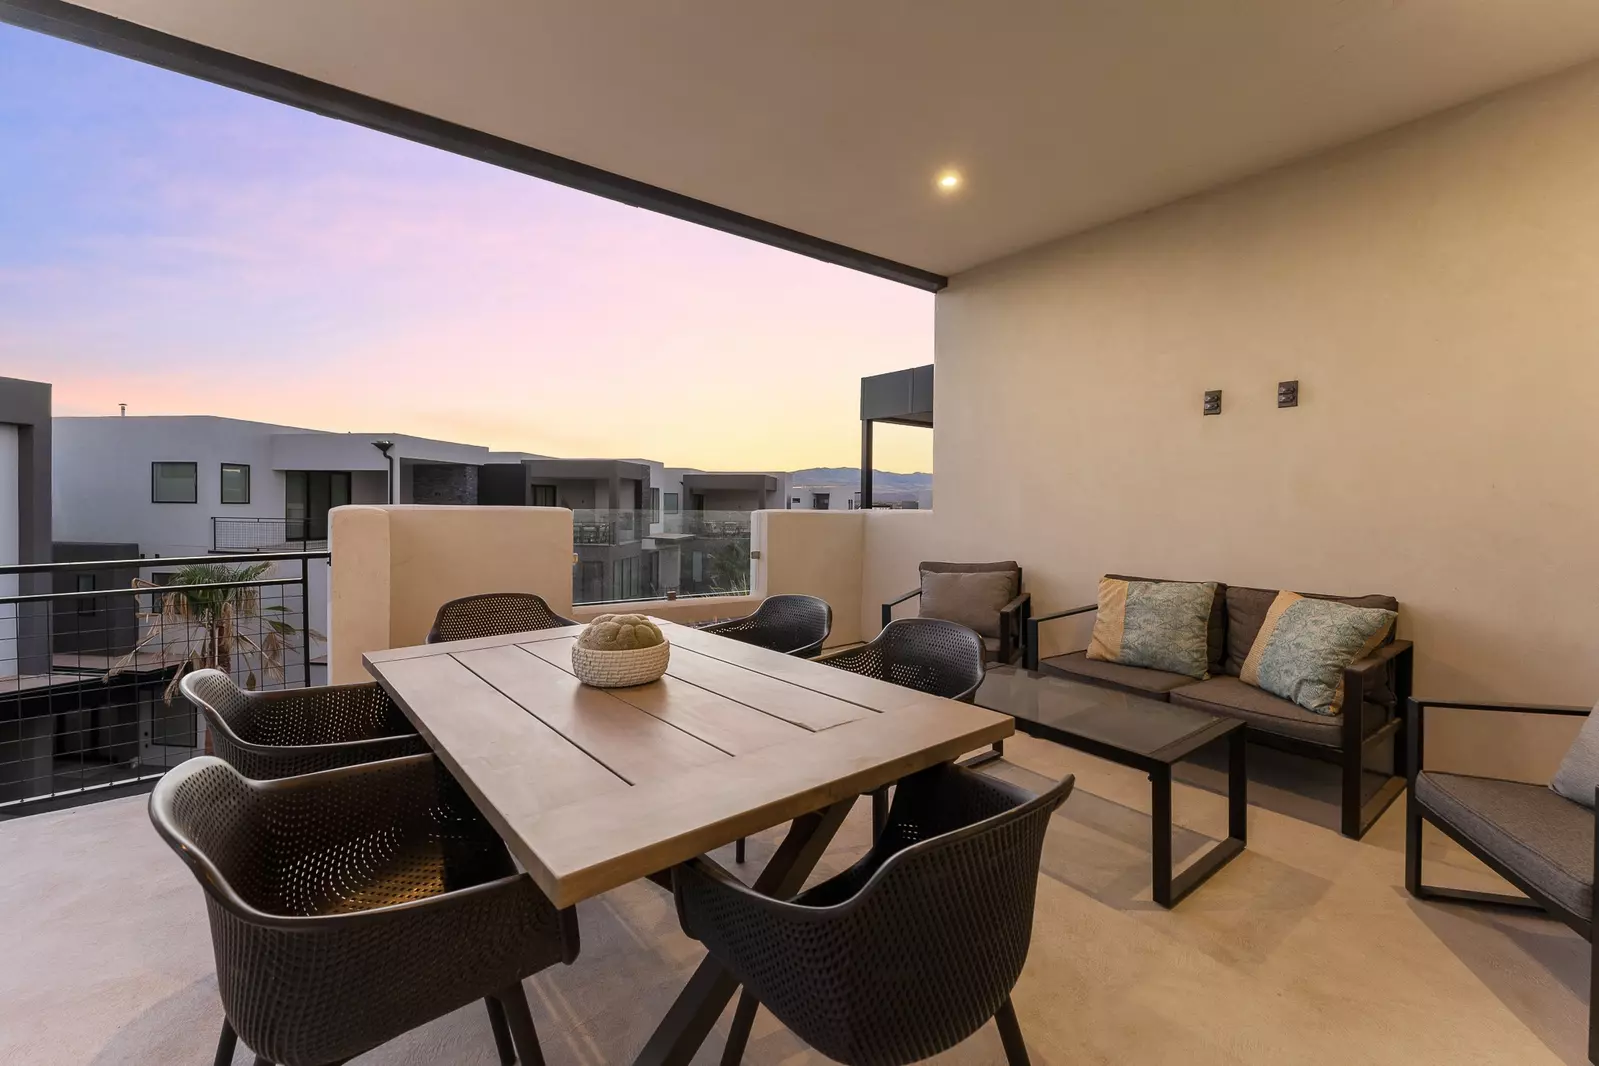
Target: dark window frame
(194, 467)
(222, 483)
(669, 502)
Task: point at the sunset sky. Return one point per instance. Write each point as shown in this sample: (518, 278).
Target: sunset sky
(186, 249)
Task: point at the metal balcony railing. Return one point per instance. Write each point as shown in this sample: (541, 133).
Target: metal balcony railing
(90, 653)
(268, 534)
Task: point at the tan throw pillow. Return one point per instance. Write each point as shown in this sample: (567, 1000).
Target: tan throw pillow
(1304, 644)
(973, 600)
(1161, 625)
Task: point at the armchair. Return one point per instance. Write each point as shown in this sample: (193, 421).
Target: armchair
(1539, 841)
(1007, 644)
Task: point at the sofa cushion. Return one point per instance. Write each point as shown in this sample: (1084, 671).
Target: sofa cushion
(1578, 775)
(1304, 645)
(972, 599)
(1545, 839)
(1246, 611)
(1162, 625)
(1263, 711)
(1135, 679)
(1216, 631)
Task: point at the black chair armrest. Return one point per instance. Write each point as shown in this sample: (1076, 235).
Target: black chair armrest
(888, 608)
(1416, 720)
(1030, 643)
(1012, 626)
(1504, 708)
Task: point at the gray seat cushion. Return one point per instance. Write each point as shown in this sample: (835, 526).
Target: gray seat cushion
(1262, 710)
(1545, 839)
(1136, 679)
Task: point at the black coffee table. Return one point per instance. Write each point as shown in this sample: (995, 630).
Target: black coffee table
(1145, 734)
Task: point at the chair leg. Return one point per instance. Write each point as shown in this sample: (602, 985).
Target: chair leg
(738, 851)
(738, 1034)
(1413, 836)
(1010, 1034)
(226, 1042)
(502, 1033)
(526, 1038)
(1593, 984)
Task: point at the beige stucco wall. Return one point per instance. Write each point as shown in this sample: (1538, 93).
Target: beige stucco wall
(1434, 290)
(394, 566)
(815, 553)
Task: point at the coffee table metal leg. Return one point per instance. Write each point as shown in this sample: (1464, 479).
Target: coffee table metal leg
(1169, 890)
(694, 1014)
(1160, 819)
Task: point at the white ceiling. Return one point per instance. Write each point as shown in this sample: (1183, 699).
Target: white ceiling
(832, 117)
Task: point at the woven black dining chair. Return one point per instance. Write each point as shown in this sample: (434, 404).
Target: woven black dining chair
(791, 624)
(906, 953)
(928, 654)
(286, 732)
(352, 905)
(494, 614)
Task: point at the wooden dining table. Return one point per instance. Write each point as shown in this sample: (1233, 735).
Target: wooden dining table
(593, 788)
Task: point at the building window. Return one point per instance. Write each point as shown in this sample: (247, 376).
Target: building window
(174, 483)
(235, 483)
(820, 501)
(671, 503)
(543, 495)
(308, 496)
(655, 505)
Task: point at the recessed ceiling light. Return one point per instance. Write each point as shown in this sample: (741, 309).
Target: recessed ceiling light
(949, 181)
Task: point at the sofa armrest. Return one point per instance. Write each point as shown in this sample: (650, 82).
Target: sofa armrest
(1012, 626)
(1030, 644)
(1415, 721)
(888, 608)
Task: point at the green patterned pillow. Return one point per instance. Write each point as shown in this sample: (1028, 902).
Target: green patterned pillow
(1161, 625)
(1304, 645)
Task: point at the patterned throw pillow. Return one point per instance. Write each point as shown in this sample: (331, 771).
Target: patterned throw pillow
(1304, 645)
(1162, 625)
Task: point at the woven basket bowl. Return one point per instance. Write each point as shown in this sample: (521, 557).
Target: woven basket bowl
(618, 669)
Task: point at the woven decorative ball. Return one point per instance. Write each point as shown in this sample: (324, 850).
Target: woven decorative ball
(616, 650)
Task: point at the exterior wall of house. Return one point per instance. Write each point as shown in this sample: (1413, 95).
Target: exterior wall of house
(1432, 289)
(25, 522)
(102, 478)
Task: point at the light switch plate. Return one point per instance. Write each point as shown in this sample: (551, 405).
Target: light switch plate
(1288, 394)
(1213, 402)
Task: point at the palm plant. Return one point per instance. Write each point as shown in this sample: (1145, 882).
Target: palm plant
(730, 568)
(222, 628)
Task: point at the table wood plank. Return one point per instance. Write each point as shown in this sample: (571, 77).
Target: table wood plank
(841, 684)
(713, 718)
(422, 651)
(609, 839)
(771, 695)
(632, 744)
(513, 766)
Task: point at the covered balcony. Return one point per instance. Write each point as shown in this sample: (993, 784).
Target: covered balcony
(1295, 302)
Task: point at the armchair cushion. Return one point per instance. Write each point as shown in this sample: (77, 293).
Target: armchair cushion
(1304, 645)
(1544, 838)
(1163, 625)
(1578, 775)
(1246, 613)
(972, 599)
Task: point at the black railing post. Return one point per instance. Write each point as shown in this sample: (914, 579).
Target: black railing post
(305, 618)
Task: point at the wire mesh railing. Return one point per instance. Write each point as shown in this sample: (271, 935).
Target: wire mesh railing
(91, 653)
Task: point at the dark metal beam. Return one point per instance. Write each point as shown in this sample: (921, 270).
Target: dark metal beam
(121, 37)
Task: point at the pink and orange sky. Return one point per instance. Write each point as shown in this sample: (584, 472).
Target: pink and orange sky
(186, 249)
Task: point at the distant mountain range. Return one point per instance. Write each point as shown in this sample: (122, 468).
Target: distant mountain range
(851, 476)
